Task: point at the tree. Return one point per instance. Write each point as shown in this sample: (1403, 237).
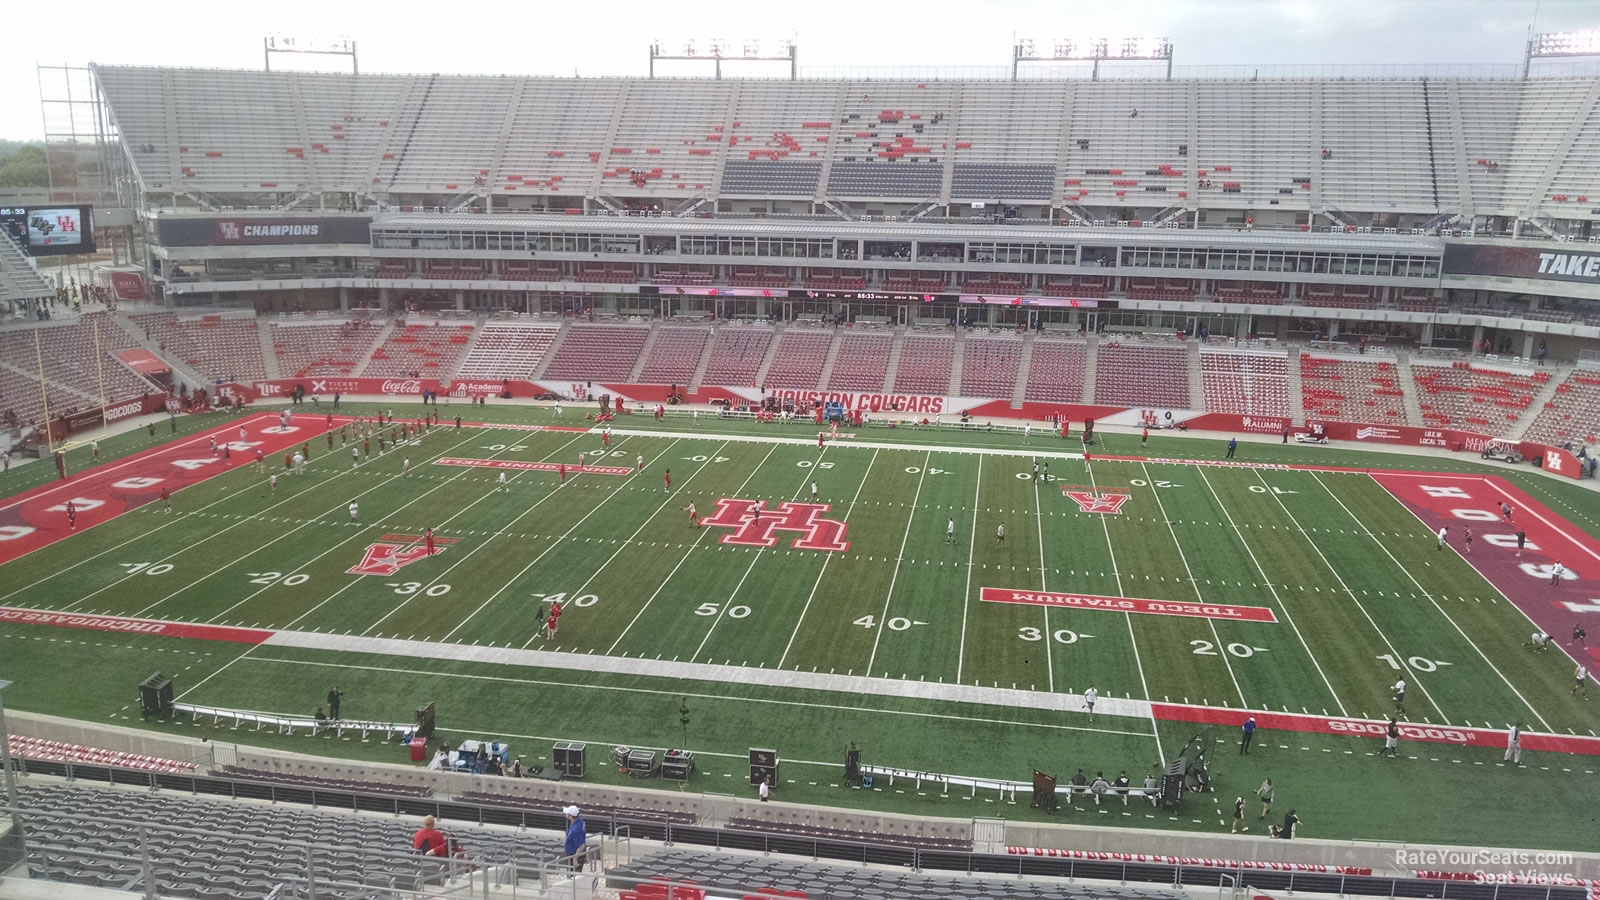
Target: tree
(23, 165)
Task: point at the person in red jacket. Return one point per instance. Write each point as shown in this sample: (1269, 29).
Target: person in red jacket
(428, 840)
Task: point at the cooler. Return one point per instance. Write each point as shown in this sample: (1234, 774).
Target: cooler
(419, 748)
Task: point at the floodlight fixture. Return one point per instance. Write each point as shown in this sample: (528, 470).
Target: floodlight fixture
(1095, 50)
(720, 50)
(1555, 44)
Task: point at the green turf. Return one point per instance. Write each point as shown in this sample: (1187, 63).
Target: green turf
(1329, 553)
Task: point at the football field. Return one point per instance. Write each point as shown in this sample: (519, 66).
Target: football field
(860, 591)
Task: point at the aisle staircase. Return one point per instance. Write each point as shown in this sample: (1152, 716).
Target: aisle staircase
(1091, 368)
(827, 364)
(892, 370)
(1019, 390)
(644, 352)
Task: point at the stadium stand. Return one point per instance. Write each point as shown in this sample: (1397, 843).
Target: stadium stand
(1466, 394)
(893, 137)
(234, 849)
(1350, 390)
(60, 751)
(730, 874)
(736, 355)
(989, 366)
(597, 353)
(556, 125)
(675, 355)
(72, 368)
(1142, 375)
(305, 348)
(800, 356)
(1251, 384)
(508, 350)
(861, 363)
(777, 137)
(1006, 143)
(591, 810)
(430, 351)
(925, 363)
(1573, 414)
(1056, 372)
(660, 128)
(226, 349)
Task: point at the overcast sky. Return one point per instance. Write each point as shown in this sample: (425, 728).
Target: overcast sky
(611, 38)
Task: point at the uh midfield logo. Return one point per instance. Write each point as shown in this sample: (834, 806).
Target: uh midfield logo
(756, 526)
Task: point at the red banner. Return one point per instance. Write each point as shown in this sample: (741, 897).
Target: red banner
(1129, 605)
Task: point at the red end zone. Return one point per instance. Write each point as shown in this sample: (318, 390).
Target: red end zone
(1129, 605)
(38, 518)
(517, 466)
(1462, 501)
(1373, 728)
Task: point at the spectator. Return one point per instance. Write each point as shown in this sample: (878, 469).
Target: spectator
(1286, 830)
(577, 838)
(1099, 787)
(428, 840)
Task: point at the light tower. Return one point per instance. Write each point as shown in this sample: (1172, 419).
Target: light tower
(720, 50)
(1558, 44)
(1095, 50)
(301, 44)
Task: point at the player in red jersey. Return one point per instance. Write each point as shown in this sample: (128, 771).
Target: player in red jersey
(261, 461)
(555, 610)
(330, 422)
(166, 498)
(638, 464)
(549, 627)
(563, 468)
(819, 440)
(288, 461)
(605, 437)
(668, 476)
(72, 515)
(428, 537)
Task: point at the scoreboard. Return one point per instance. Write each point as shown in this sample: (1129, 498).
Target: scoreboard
(54, 230)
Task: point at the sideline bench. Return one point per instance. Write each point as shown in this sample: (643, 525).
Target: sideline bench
(286, 724)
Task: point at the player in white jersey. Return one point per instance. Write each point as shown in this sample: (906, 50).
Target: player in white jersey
(355, 511)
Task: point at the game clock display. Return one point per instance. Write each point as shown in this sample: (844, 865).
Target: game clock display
(50, 230)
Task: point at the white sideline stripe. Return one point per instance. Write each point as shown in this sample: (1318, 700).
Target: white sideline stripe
(620, 665)
(849, 444)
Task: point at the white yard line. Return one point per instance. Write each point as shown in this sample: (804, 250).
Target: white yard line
(966, 598)
(1184, 557)
(722, 609)
(883, 619)
(145, 535)
(361, 533)
(1044, 574)
(603, 566)
(800, 622)
(1428, 594)
(1400, 660)
(552, 546)
(236, 559)
(202, 437)
(851, 443)
(1268, 582)
(685, 558)
(1133, 639)
(358, 579)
